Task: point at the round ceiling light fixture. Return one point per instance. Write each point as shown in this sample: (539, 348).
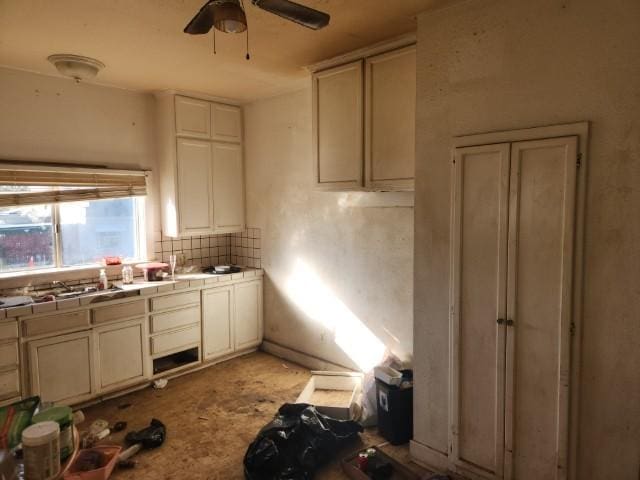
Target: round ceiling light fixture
(76, 66)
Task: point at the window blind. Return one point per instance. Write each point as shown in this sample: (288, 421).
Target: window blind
(25, 184)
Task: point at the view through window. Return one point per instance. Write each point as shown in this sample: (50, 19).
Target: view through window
(86, 232)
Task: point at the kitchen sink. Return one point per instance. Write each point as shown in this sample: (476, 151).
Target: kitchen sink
(110, 293)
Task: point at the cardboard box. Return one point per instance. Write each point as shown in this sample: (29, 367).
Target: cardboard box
(336, 394)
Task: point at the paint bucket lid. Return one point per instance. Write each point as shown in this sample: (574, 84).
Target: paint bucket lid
(62, 415)
(40, 434)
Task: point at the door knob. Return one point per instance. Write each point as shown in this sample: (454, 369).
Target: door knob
(500, 321)
(509, 323)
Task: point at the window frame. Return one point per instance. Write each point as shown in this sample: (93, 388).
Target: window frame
(139, 239)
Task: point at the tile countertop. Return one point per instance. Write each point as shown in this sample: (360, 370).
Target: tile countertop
(144, 288)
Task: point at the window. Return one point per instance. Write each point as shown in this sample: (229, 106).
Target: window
(70, 233)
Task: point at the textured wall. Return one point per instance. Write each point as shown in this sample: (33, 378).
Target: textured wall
(489, 65)
(57, 120)
(325, 261)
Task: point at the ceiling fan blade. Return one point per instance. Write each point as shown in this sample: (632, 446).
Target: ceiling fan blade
(305, 16)
(202, 22)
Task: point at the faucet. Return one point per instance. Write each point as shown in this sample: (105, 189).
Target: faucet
(56, 283)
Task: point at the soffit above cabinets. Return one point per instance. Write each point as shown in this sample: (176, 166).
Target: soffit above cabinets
(144, 48)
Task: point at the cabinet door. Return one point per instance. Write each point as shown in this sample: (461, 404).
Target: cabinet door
(120, 354)
(226, 123)
(541, 243)
(217, 322)
(390, 111)
(193, 117)
(481, 186)
(61, 367)
(337, 127)
(228, 188)
(195, 192)
(248, 314)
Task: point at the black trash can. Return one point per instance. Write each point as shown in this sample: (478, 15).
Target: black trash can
(395, 409)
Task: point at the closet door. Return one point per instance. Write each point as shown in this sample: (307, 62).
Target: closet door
(478, 308)
(540, 259)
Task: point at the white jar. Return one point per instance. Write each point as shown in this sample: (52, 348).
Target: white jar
(41, 447)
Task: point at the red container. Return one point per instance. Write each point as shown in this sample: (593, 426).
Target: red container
(109, 455)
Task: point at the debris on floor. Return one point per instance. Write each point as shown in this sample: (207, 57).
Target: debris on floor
(151, 437)
(160, 383)
(373, 463)
(296, 442)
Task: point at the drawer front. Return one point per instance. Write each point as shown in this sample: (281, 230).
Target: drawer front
(9, 384)
(177, 318)
(56, 323)
(176, 300)
(9, 354)
(8, 330)
(174, 340)
(119, 312)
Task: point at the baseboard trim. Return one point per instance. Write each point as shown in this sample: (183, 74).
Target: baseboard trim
(428, 457)
(304, 359)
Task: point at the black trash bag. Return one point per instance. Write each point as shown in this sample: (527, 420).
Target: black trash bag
(295, 443)
(151, 437)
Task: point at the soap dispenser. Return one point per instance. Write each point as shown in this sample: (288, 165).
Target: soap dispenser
(103, 282)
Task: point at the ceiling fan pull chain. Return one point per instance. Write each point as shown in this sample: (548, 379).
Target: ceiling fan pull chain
(248, 56)
(214, 40)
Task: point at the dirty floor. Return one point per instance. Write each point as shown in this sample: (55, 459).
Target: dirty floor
(211, 416)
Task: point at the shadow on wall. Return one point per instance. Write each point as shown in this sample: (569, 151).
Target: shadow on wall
(311, 295)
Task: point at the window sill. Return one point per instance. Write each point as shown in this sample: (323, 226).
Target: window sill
(25, 278)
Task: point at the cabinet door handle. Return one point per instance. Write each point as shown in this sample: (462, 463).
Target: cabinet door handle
(500, 321)
(509, 323)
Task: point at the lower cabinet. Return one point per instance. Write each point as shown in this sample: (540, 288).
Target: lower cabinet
(75, 367)
(120, 354)
(61, 367)
(217, 322)
(248, 314)
(231, 319)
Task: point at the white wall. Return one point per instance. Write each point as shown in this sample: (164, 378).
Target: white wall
(489, 65)
(324, 261)
(57, 120)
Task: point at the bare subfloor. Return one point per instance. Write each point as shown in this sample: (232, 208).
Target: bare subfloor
(211, 416)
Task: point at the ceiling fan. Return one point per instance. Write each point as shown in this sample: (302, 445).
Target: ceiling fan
(229, 16)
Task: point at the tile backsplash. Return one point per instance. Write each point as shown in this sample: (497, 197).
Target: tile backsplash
(241, 248)
(246, 247)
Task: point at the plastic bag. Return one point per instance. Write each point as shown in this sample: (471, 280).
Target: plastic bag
(151, 437)
(295, 443)
(14, 419)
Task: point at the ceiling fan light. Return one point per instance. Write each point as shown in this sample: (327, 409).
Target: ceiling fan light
(229, 17)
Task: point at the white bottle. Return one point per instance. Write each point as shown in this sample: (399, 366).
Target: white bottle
(103, 282)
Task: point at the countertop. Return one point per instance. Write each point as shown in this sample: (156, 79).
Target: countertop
(182, 281)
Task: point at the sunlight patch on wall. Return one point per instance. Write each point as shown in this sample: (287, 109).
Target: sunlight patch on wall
(319, 303)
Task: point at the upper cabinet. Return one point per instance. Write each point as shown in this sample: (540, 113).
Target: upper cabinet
(390, 127)
(337, 128)
(364, 119)
(226, 123)
(193, 118)
(201, 166)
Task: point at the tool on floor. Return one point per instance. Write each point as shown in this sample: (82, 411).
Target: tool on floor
(151, 437)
